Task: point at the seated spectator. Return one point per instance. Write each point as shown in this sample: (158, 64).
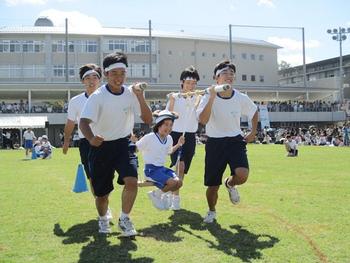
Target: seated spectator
(291, 146)
(37, 147)
(46, 148)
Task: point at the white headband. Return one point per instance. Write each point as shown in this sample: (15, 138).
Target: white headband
(189, 78)
(218, 72)
(91, 71)
(115, 65)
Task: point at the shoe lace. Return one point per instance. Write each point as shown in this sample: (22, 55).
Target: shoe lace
(104, 223)
(127, 223)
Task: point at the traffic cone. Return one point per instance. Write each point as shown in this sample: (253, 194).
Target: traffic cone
(80, 181)
(33, 155)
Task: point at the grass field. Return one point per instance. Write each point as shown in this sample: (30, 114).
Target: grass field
(291, 210)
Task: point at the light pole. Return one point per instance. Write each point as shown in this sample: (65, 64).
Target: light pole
(340, 35)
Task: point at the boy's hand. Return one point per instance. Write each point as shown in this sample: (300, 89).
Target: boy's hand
(181, 140)
(96, 141)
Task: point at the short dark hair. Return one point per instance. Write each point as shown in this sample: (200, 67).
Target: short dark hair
(190, 72)
(116, 57)
(224, 64)
(87, 67)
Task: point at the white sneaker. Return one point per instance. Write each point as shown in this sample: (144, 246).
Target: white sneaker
(103, 225)
(126, 226)
(210, 217)
(167, 200)
(175, 204)
(156, 200)
(233, 193)
(109, 214)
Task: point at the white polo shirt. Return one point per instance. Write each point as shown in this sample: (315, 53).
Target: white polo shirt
(75, 106)
(187, 120)
(111, 115)
(225, 117)
(153, 149)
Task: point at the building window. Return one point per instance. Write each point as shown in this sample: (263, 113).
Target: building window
(91, 46)
(203, 54)
(223, 55)
(261, 78)
(15, 46)
(59, 46)
(252, 56)
(244, 77)
(31, 46)
(244, 55)
(252, 78)
(139, 46)
(261, 57)
(193, 53)
(4, 46)
(60, 71)
(203, 77)
(118, 45)
(170, 52)
(140, 70)
(213, 55)
(170, 75)
(34, 71)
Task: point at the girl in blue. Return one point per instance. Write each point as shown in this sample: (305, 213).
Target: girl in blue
(154, 148)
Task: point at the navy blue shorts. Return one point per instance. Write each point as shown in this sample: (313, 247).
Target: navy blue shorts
(84, 148)
(187, 150)
(28, 144)
(222, 151)
(159, 175)
(104, 160)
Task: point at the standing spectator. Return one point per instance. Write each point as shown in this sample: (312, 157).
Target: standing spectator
(28, 136)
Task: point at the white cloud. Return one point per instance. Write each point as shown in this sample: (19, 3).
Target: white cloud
(292, 44)
(25, 2)
(75, 19)
(291, 50)
(294, 59)
(268, 3)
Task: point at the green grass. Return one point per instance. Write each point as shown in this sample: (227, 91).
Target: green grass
(292, 210)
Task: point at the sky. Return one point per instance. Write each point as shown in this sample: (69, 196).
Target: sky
(207, 17)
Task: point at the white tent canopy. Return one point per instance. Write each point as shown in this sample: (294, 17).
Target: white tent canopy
(22, 122)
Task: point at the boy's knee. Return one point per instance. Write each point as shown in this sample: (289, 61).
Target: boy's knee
(130, 183)
(241, 175)
(178, 184)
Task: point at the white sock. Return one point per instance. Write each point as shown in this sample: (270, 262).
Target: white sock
(123, 215)
(103, 217)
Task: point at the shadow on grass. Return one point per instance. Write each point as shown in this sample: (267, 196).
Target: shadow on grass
(237, 241)
(99, 248)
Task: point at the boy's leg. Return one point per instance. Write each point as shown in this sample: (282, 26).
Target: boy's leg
(102, 204)
(129, 194)
(212, 196)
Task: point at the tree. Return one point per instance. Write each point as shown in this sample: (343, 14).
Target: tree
(283, 65)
